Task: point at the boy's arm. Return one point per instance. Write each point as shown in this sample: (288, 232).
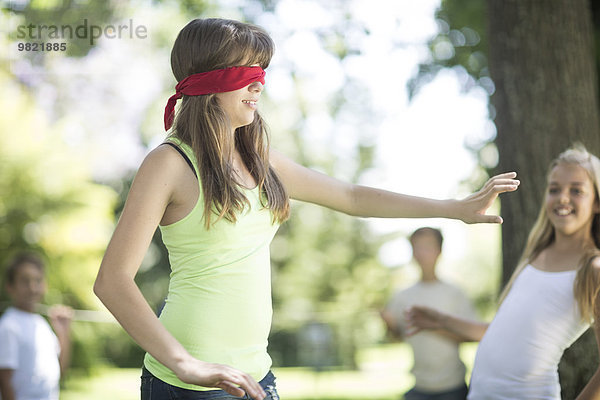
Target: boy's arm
(6, 387)
(9, 348)
(60, 319)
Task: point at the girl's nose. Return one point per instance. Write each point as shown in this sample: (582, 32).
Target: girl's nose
(256, 87)
(564, 197)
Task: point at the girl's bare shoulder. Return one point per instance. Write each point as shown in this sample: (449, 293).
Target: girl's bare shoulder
(163, 160)
(162, 154)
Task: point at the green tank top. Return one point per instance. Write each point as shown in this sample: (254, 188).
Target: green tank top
(219, 301)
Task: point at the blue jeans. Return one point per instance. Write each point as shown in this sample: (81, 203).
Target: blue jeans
(154, 389)
(460, 393)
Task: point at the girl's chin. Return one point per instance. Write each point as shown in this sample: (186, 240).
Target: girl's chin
(243, 125)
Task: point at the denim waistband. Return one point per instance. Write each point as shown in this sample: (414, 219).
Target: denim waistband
(267, 382)
(269, 379)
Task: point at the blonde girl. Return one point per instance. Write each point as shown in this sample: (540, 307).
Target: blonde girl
(218, 194)
(550, 299)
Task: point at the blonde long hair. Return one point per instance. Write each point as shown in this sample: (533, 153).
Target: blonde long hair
(542, 235)
(205, 45)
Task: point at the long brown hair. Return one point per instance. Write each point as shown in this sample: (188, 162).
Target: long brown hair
(542, 235)
(205, 45)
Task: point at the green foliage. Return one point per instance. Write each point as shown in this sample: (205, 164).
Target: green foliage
(48, 202)
(193, 8)
(461, 44)
(50, 205)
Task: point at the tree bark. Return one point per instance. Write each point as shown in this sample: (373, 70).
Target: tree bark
(542, 62)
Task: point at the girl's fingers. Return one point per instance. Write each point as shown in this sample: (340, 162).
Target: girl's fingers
(231, 389)
(229, 379)
(503, 179)
(253, 388)
(509, 175)
(505, 188)
(241, 384)
(490, 219)
(508, 182)
(245, 386)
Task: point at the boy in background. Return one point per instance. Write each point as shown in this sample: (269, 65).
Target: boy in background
(439, 373)
(32, 355)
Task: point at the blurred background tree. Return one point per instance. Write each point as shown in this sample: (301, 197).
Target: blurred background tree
(539, 62)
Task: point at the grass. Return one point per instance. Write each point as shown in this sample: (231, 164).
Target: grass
(105, 383)
(383, 374)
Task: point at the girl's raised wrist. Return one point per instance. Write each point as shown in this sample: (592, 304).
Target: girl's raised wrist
(451, 208)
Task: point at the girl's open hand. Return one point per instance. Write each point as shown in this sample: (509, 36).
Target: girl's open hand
(229, 379)
(419, 318)
(473, 208)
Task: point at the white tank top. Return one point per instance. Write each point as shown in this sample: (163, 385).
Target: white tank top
(519, 354)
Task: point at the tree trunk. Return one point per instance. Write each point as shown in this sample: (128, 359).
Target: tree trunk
(542, 62)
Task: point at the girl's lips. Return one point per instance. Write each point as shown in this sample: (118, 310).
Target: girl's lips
(563, 211)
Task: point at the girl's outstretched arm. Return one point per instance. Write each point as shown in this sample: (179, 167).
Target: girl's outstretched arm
(421, 318)
(308, 185)
(152, 191)
(591, 391)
